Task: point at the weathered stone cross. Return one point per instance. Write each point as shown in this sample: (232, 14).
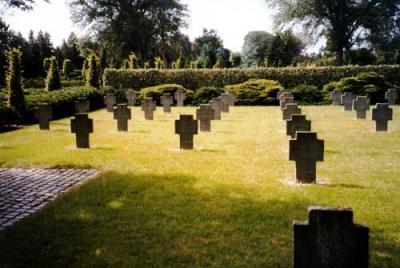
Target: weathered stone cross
(361, 105)
(297, 123)
(110, 100)
(180, 97)
(82, 126)
(284, 94)
(216, 105)
(122, 114)
(186, 127)
(291, 108)
(167, 100)
(204, 114)
(82, 105)
(131, 97)
(226, 100)
(330, 239)
(285, 101)
(232, 98)
(382, 114)
(148, 106)
(44, 113)
(306, 150)
(391, 96)
(347, 101)
(336, 97)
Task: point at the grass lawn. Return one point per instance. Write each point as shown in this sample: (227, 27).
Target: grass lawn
(229, 203)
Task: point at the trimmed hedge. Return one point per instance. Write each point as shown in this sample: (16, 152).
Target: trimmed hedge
(196, 78)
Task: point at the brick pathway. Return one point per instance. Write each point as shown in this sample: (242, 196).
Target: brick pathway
(25, 191)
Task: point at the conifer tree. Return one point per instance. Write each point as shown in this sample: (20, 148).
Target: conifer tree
(93, 72)
(16, 97)
(53, 80)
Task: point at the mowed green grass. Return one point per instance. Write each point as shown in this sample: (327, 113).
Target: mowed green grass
(229, 203)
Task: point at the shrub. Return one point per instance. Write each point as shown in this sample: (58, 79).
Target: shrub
(288, 77)
(307, 94)
(8, 116)
(53, 81)
(159, 63)
(16, 99)
(133, 62)
(93, 72)
(256, 92)
(84, 70)
(157, 91)
(180, 62)
(205, 94)
(46, 64)
(369, 84)
(68, 68)
(207, 63)
(219, 64)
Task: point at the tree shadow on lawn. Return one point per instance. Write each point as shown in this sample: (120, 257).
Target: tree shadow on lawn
(127, 220)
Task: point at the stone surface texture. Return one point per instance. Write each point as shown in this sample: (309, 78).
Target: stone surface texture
(167, 100)
(347, 101)
(180, 97)
(122, 114)
(131, 97)
(44, 113)
(204, 114)
(82, 105)
(82, 126)
(361, 106)
(297, 123)
(216, 105)
(382, 114)
(148, 106)
(186, 127)
(336, 97)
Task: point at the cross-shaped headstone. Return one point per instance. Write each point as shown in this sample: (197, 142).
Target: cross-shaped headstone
(122, 114)
(361, 105)
(226, 100)
(286, 100)
(382, 114)
(82, 105)
(306, 150)
(82, 126)
(148, 106)
(347, 101)
(330, 239)
(204, 114)
(167, 100)
(297, 123)
(110, 100)
(291, 108)
(284, 94)
(44, 113)
(232, 98)
(216, 105)
(180, 97)
(186, 127)
(391, 96)
(131, 97)
(336, 97)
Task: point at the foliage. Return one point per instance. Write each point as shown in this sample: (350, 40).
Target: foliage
(85, 67)
(16, 99)
(157, 91)
(308, 94)
(205, 94)
(46, 64)
(19, 4)
(256, 92)
(362, 56)
(8, 116)
(93, 79)
(196, 78)
(255, 48)
(236, 60)
(220, 64)
(285, 47)
(158, 63)
(369, 84)
(53, 80)
(68, 68)
(133, 62)
(180, 62)
(207, 47)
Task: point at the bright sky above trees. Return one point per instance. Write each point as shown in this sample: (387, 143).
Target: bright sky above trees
(233, 19)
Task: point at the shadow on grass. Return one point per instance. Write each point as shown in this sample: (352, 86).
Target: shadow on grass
(343, 185)
(127, 220)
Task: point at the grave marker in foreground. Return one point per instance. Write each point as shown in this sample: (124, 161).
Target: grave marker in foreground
(186, 127)
(306, 150)
(382, 114)
(330, 239)
(44, 113)
(82, 126)
(122, 114)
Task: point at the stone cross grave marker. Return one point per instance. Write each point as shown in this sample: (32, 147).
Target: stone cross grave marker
(330, 239)
(391, 96)
(297, 123)
(110, 100)
(204, 114)
(226, 100)
(306, 150)
(347, 101)
(336, 97)
(186, 127)
(148, 106)
(82, 126)
(284, 94)
(44, 113)
(216, 105)
(180, 97)
(361, 106)
(82, 105)
(122, 114)
(285, 101)
(291, 108)
(167, 100)
(232, 98)
(131, 97)
(382, 114)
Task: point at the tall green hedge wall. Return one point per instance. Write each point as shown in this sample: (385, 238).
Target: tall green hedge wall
(196, 78)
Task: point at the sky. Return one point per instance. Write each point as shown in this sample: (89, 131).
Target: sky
(232, 19)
